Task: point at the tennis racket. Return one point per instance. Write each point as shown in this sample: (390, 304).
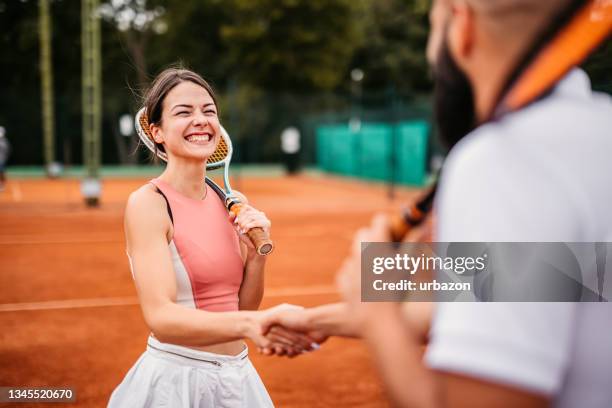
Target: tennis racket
(220, 158)
(413, 216)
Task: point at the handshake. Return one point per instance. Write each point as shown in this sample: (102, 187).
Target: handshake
(292, 330)
(285, 330)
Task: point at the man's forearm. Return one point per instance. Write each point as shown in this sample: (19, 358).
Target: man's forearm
(332, 320)
(398, 356)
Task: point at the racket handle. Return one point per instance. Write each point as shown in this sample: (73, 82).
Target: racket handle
(260, 239)
(412, 216)
(399, 228)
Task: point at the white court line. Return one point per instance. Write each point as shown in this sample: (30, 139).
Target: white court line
(16, 191)
(301, 291)
(29, 241)
(69, 304)
(133, 300)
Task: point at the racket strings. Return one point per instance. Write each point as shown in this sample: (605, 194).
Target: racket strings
(144, 125)
(220, 152)
(218, 155)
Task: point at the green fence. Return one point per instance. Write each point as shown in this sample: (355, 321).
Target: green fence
(376, 151)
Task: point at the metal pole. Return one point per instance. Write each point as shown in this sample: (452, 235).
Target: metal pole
(46, 75)
(91, 83)
(234, 126)
(394, 140)
(97, 88)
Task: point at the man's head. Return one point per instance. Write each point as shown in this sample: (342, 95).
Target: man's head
(473, 48)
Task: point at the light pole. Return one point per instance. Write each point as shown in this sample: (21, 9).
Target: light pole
(46, 74)
(91, 188)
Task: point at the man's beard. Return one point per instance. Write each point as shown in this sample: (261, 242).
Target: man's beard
(454, 108)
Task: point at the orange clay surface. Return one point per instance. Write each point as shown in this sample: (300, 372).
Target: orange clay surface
(69, 315)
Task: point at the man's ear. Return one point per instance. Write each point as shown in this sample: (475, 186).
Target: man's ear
(461, 30)
(438, 18)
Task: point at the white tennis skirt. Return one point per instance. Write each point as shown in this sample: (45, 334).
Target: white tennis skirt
(167, 375)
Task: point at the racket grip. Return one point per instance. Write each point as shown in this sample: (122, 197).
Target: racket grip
(401, 224)
(399, 228)
(412, 216)
(261, 240)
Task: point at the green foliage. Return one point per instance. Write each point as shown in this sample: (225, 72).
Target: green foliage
(599, 68)
(393, 53)
(274, 63)
(192, 38)
(291, 44)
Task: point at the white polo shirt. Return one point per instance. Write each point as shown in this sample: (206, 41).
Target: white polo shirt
(543, 173)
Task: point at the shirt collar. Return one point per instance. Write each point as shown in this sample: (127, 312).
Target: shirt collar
(575, 83)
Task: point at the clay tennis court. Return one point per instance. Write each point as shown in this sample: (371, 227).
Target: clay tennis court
(68, 309)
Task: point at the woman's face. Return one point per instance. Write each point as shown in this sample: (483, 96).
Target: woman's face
(189, 127)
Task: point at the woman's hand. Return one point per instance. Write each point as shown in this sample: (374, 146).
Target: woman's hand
(247, 219)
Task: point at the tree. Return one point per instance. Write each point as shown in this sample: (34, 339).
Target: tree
(393, 54)
(194, 38)
(135, 21)
(291, 44)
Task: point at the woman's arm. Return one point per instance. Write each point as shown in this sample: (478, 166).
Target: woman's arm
(252, 287)
(146, 227)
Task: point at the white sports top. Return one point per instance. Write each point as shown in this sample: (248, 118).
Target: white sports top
(543, 173)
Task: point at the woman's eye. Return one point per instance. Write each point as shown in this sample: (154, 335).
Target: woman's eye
(182, 113)
(210, 112)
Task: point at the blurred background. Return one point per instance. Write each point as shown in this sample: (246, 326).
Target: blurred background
(324, 88)
(274, 64)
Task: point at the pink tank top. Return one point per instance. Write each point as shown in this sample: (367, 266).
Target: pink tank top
(205, 251)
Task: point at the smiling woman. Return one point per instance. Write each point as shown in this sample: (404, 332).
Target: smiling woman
(192, 94)
(190, 116)
(198, 276)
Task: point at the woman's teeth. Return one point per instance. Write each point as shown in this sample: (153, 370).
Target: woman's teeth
(199, 138)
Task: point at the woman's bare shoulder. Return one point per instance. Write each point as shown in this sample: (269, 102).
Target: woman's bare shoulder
(145, 203)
